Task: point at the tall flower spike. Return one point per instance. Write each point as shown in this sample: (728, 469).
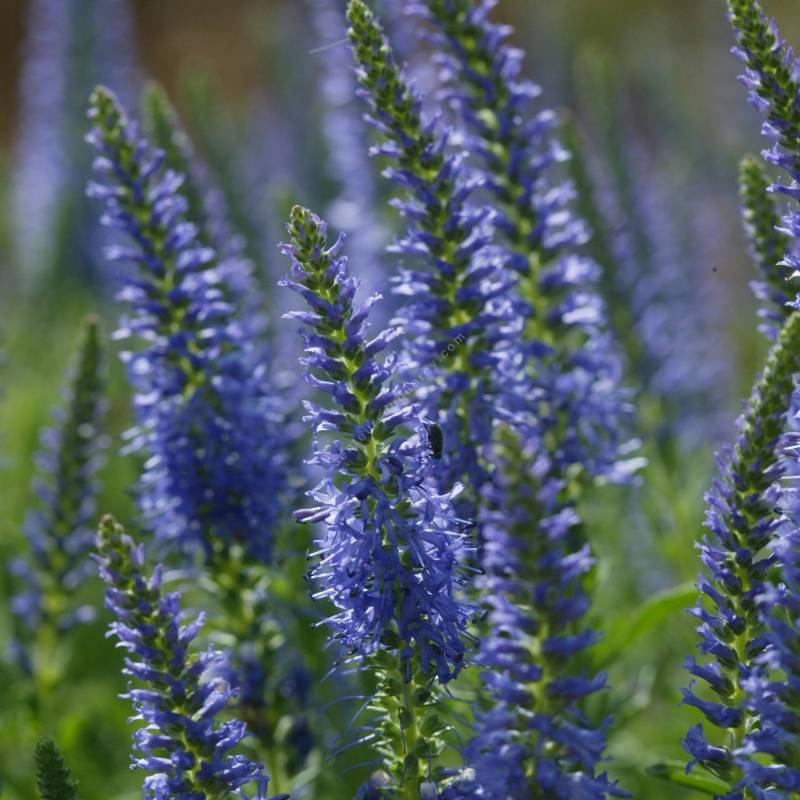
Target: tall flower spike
(59, 531)
(535, 741)
(208, 417)
(742, 521)
(768, 245)
(455, 306)
(767, 755)
(771, 76)
(176, 694)
(563, 336)
(215, 473)
(389, 553)
(742, 514)
(771, 79)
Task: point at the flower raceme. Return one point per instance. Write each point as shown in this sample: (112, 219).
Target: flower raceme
(208, 417)
(742, 515)
(214, 476)
(390, 548)
(561, 360)
(743, 621)
(59, 530)
(176, 694)
(742, 521)
(534, 741)
(454, 304)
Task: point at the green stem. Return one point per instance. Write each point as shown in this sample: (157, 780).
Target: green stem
(408, 755)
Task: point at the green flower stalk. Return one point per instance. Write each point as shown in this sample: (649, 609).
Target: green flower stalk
(742, 519)
(559, 379)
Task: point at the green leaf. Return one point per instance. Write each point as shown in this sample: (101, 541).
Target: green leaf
(675, 772)
(625, 629)
(52, 774)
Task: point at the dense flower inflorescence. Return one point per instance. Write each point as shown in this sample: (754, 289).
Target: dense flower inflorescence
(742, 521)
(209, 415)
(563, 334)
(214, 476)
(176, 694)
(768, 245)
(535, 741)
(59, 531)
(767, 755)
(742, 515)
(771, 78)
(455, 304)
(390, 551)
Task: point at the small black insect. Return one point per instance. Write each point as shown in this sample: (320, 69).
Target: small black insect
(435, 439)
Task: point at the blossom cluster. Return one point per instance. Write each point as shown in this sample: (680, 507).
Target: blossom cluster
(452, 533)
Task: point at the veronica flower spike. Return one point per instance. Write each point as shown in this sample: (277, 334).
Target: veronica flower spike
(742, 520)
(767, 755)
(564, 336)
(771, 79)
(208, 419)
(215, 475)
(389, 550)
(175, 693)
(455, 304)
(59, 530)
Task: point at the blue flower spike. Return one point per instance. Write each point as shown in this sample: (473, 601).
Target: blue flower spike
(214, 477)
(454, 301)
(389, 552)
(209, 421)
(177, 694)
(535, 741)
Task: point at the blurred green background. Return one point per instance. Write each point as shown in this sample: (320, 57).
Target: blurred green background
(675, 81)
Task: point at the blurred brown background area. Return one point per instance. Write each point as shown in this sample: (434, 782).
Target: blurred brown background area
(684, 37)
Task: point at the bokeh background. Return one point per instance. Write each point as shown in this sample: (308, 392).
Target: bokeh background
(650, 93)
